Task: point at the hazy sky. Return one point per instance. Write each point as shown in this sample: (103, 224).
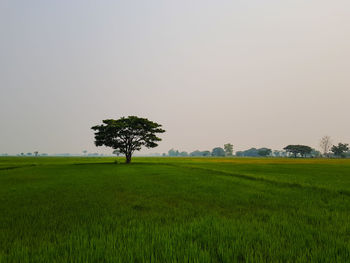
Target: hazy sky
(254, 73)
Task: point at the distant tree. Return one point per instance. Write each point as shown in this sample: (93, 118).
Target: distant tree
(340, 149)
(22, 154)
(200, 153)
(173, 153)
(284, 153)
(228, 147)
(128, 134)
(325, 145)
(239, 154)
(85, 152)
(196, 153)
(252, 152)
(116, 152)
(183, 154)
(264, 152)
(36, 153)
(164, 154)
(218, 151)
(276, 153)
(206, 153)
(303, 150)
(315, 154)
(293, 149)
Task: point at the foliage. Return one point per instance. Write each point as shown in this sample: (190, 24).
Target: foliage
(277, 153)
(316, 154)
(173, 153)
(218, 151)
(200, 153)
(340, 149)
(239, 154)
(206, 153)
(196, 153)
(303, 150)
(127, 134)
(264, 152)
(228, 147)
(253, 152)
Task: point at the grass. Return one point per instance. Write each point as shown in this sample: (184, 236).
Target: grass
(174, 210)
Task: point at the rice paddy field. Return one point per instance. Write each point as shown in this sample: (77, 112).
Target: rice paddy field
(55, 209)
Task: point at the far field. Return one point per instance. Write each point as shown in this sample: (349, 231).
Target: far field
(174, 210)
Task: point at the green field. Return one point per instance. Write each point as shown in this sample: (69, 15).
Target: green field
(174, 210)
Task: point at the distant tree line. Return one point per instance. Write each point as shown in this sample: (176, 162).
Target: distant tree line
(35, 153)
(293, 150)
(217, 151)
(253, 152)
(128, 134)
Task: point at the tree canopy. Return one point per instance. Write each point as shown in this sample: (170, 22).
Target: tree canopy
(298, 149)
(127, 134)
(218, 151)
(253, 152)
(228, 147)
(340, 149)
(175, 153)
(264, 152)
(198, 153)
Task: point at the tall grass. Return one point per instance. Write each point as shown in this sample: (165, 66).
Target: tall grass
(174, 210)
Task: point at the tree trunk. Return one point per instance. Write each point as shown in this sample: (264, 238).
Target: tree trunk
(128, 158)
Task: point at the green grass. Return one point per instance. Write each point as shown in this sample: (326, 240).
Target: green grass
(174, 210)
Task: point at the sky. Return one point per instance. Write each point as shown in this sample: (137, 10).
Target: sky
(253, 73)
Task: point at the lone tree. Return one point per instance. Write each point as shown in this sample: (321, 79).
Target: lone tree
(218, 151)
(127, 134)
(228, 149)
(298, 149)
(340, 149)
(325, 144)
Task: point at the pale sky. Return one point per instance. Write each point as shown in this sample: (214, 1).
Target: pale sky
(253, 73)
